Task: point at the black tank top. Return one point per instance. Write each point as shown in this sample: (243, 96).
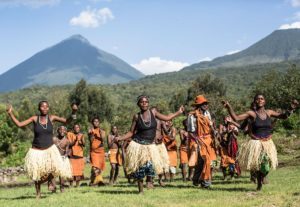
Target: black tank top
(43, 134)
(145, 132)
(262, 128)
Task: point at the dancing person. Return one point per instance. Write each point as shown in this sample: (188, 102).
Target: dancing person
(183, 150)
(76, 157)
(115, 158)
(229, 148)
(259, 153)
(97, 152)
(201, 131)
(142, 154)
(43, 160)
(63, 145)
(169, 139)
(163, 153)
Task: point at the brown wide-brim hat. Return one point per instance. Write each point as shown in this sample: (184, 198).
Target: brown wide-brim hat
(200, 99)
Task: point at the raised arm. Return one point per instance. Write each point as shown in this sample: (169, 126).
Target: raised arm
(234, 116)
(132, 129)
(167, 117)
(9, 111)
(54, 118)
(293, 105)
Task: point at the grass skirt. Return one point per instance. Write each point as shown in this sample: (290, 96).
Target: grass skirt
(138, 155)
(41, 163)
(251, 153)
(163, 153)
(67, 169)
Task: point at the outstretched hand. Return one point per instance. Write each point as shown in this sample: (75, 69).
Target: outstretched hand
(90, 131)
(225, 103)
(294, 104)
(74, 107)
(181, 109)
(9, 108)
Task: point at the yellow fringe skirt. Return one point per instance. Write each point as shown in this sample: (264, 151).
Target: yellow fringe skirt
(250, 154)
(163, 153)
(138, 155)
(41, 163)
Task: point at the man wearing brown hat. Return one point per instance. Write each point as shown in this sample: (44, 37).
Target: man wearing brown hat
(201, 132)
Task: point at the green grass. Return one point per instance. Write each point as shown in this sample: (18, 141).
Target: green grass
(283, 190)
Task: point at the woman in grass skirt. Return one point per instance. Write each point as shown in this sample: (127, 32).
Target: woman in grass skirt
(142, 157)
(259, 153)
(43, 160)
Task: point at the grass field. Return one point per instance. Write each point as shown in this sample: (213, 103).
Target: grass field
(283, 190)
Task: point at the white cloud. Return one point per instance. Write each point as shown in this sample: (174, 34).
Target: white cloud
(92, 18)
(294, 25)
(29, 3)
(205, 59)
(232, 52)
(295, 3)
(154, 65)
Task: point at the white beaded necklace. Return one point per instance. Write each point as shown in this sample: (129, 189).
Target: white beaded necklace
(147, 125)
(44, 127)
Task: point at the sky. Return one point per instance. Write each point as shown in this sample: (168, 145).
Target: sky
(154, 36)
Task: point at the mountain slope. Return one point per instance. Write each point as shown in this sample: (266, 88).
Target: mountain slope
(281, 45)
(66, 63)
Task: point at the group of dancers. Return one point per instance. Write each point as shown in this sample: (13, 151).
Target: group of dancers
(150, 148)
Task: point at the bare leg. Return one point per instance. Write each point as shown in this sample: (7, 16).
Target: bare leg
(160, 180)
(77, 181)
(191, 173)
(259, 180)
(149, 182)
(167, 176)
(112, 174)
(38, 189)
(62, 184)
(140, 186)
(116, 173)
(183, 171)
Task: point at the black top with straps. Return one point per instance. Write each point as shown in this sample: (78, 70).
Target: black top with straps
(145, 131)
(262, 128)
(43, 134)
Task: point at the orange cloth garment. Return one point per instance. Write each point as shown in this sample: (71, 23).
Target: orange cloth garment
(225, 159)
(205, 141)
(77, 149)
(173, 158)
(77, 166)
(183, 156)
(97, 153)
(192, 153)
(171, 148)
(115, 157)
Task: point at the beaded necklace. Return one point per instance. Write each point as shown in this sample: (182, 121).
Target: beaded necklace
(42, 125)
(149, 124)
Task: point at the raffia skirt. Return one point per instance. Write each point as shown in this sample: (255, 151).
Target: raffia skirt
(41, 163)
(251, 153)
(138, 155)
(163, 153)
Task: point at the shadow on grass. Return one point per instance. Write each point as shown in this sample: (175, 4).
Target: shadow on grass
(19, 198)
(226, 182)
(114, 191)
(231, 189)
(44, 195)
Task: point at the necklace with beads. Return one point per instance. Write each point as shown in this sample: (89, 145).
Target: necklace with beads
(42, 125)
(262, 114)
(144, 122)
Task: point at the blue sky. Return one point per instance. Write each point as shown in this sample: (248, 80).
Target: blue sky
(152, 35)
